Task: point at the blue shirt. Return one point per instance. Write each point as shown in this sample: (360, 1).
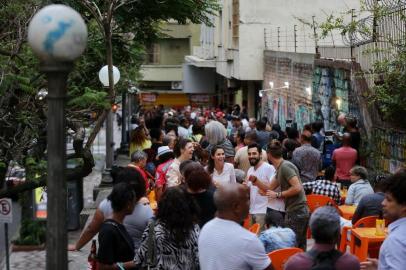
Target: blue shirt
(392, 255)
(276, 238)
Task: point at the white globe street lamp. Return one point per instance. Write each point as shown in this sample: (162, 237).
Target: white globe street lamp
(57, 34)
(104, 79)
(104, 75)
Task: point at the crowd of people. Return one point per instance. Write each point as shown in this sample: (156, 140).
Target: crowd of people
(211, 170)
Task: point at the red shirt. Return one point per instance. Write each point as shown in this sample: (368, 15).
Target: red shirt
(302, 261)
(143, 173)
(345, 158)
(160, 179)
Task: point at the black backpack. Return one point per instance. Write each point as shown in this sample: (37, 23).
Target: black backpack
(324, 260)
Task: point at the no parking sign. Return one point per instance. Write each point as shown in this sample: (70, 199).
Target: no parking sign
(6, 211)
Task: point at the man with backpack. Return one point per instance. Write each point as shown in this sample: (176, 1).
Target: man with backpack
(165, 158)
(325, 228)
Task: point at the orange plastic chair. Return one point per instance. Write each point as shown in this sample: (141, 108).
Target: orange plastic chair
(363, 222)
(247, 223)
(255, 228)
(280, 256)
(315, 201)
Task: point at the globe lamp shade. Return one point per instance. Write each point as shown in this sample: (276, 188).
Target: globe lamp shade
(57, 33)
(104, 75)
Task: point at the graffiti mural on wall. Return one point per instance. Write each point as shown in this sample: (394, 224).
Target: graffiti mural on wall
(279, 109)
(302, 116)
(330, 95)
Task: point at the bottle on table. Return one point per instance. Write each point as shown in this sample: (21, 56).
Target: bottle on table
(380, 225)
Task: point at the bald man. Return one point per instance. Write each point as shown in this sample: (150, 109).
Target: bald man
(344, 158)
(307, 158)
(223, 243)
(341, 119)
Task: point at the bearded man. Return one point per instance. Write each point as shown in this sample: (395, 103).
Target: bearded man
(263, 172)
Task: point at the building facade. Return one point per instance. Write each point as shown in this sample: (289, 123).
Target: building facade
(231, 52)
(162, 73)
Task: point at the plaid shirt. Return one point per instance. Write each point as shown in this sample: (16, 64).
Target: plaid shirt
(324, 187)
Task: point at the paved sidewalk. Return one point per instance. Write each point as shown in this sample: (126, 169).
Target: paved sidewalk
(36, 260)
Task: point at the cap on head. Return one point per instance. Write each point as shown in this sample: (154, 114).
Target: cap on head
(325, 224)
(163, 150)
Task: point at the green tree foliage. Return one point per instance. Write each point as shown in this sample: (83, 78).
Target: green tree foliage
(388, 95)
(23, 115)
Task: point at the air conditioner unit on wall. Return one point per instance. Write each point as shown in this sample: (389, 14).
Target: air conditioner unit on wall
(177, 85)
(229, 55)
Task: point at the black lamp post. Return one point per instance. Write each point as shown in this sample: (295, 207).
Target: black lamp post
(57, 35)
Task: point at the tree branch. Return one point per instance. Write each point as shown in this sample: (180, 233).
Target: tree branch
(96, 129)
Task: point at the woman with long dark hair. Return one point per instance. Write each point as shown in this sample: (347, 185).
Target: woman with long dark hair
(221, 172)
(199, 186)
(175, 233)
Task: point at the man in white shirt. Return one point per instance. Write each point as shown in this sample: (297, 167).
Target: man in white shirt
(263, 172)
(223, 242)
(241, 157)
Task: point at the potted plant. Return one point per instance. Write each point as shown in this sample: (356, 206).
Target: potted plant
(31, 236)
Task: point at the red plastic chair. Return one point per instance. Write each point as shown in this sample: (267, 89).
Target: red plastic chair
(363, 222)
(255, 228)
(280, 256)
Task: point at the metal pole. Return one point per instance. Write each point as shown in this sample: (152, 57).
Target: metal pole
(130, 115)
(6, 242)
(279, 44)
(106, 178)
(352, 35)
(295, 36)
(315, 36)
(124, 142)
(56, 247)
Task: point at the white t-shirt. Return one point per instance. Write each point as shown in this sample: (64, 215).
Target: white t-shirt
(264, 173)
(227, 176)
(224, 244)
(183, 132)
(276, 204)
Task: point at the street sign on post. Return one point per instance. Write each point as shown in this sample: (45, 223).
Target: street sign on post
(6, 215)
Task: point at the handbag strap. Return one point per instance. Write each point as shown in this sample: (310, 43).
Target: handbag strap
(151, 251)
(121, 233)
